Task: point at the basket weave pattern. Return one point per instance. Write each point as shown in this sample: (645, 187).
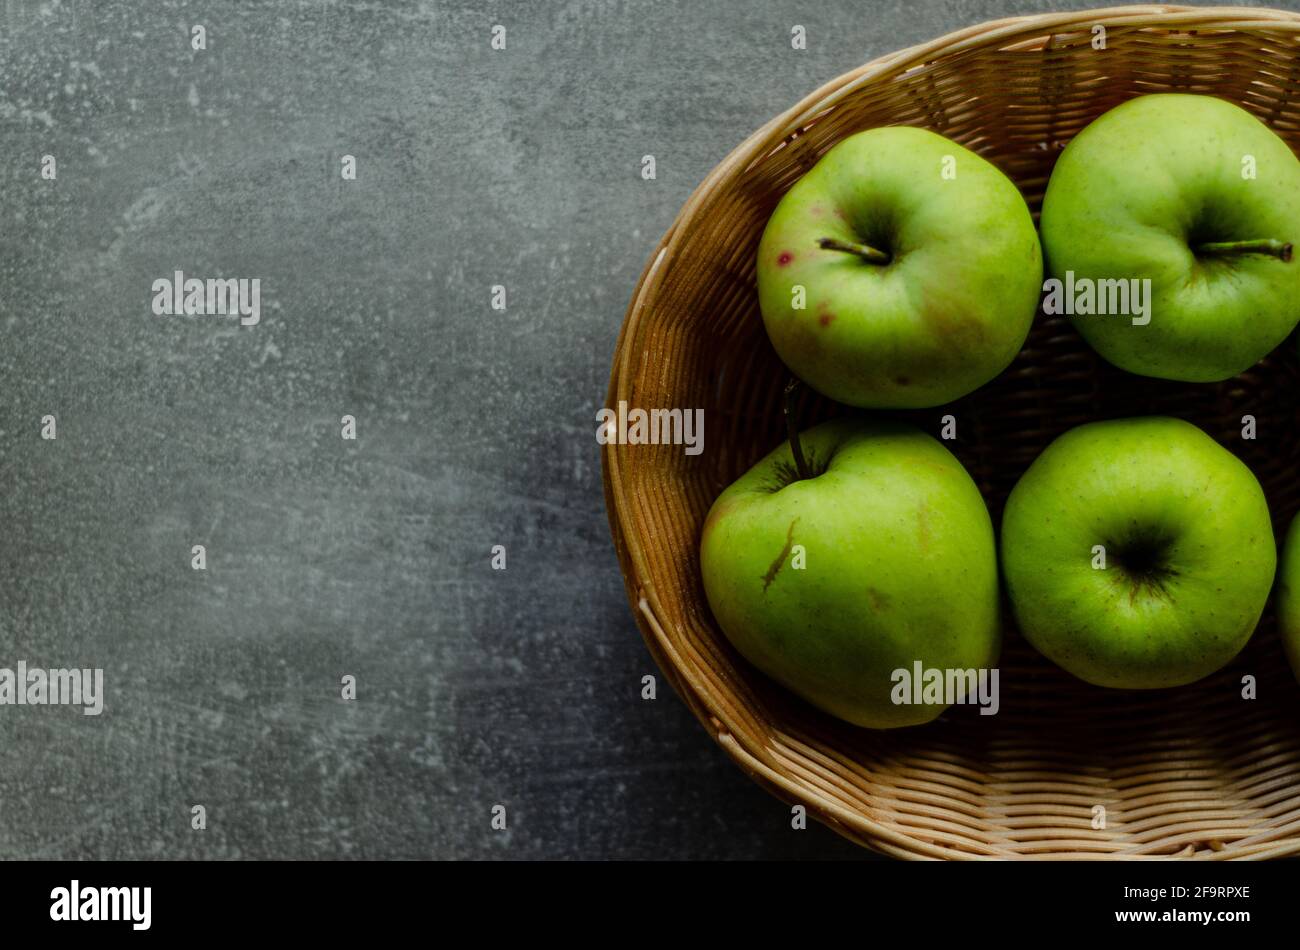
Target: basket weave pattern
(1194, 772)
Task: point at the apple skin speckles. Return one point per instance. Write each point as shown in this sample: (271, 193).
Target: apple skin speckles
(785, 258)
(824, 315)
(923, 530)
(879, 600)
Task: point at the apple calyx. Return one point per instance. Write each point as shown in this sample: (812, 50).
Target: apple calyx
(865, 251)
(1279, 249)
(800, 465)
(1144, 561)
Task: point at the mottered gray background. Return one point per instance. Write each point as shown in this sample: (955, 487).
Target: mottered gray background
(475, 427)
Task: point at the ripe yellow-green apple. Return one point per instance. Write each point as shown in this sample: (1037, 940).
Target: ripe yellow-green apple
(881, 555)
(1137, 553)
(902, 271)
(1288, 595)
(1197, 196)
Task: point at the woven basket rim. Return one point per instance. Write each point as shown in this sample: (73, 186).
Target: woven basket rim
(1029, 32)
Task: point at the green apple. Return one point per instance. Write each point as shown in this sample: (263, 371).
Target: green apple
(1288, 595)
(902, 271)
(1201, 199)
(882, 557)
(1137, 553)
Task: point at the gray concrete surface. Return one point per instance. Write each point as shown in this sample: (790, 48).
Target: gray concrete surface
(475, 427)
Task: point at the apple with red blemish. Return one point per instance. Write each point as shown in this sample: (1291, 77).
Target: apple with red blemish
(849, 553)
(918, 289)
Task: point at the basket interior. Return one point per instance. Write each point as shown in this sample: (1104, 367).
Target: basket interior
(1193, 771)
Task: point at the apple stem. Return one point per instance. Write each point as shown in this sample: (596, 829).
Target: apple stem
(1279, 249)
(792, 430)
(869, 254)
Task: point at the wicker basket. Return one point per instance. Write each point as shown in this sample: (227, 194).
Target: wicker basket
(1194, 772)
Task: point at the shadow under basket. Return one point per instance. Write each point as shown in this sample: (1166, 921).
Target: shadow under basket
(1195, 772)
